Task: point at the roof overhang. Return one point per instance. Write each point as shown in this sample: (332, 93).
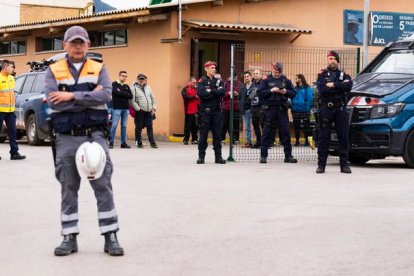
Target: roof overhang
(244, 27)
(78, 20)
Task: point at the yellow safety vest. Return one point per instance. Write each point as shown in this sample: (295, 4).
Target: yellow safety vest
(7, 99)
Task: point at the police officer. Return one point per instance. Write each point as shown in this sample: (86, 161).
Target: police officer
(78, 89)
(274, 93)
(210, 90)
(333, 84)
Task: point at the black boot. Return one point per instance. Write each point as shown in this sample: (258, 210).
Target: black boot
(220, 160)
(290, 159)
(345, 169)
(200, 161)
(320, 169)
(112, 246)
(69, 245)
(263, 160)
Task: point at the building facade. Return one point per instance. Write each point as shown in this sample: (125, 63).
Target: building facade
(146, 40)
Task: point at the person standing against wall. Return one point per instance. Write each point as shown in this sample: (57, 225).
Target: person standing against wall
(245, 105)
(301, 106)
(121, 94)
(7, 107)
(191, 102)
(226, 106)
(145, 105)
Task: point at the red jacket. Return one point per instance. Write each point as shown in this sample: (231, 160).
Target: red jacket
(191, 100)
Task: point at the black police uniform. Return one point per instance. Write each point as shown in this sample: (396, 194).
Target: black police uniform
(332, 108)
(275, 106)
(210, 116)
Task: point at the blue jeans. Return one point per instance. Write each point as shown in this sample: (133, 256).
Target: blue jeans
(116, 114)
(247, 118)
(10, 119)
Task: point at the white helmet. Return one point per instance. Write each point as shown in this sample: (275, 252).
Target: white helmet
(90, 160)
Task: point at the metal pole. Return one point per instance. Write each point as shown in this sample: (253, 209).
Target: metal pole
(366, 29)
(180, 8)
(358, 65)
(231, 103)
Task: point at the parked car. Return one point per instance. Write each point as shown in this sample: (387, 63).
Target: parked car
(31, 105)
(381, 107)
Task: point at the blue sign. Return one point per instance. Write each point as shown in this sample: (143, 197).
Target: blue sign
(385, 27)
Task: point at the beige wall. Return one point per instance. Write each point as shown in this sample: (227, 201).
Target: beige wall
(168, 65)
(33, 13)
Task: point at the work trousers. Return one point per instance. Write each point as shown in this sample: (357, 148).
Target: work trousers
(68, 176)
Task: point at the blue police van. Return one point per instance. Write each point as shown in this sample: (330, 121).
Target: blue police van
(381, 107)
(31, 105)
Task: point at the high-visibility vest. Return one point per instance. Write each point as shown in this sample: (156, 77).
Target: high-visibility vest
(7, 99)
(63, 121)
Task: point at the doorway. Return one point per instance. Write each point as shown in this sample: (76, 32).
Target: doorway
(215, 50)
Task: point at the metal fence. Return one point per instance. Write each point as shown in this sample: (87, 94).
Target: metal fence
(306, 61)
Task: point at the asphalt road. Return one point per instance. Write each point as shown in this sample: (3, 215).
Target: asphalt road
(180, 218)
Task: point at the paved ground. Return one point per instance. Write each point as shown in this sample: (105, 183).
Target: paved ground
(179, 218)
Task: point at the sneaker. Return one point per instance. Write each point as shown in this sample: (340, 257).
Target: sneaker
(185, 142)
(68, 246)
(200, 161)
(263, 160)
(154, 145)
(111, 145)
(112, 246)
(290, 159)
(125, 146)
(195, 142)
(345, 169)
(320, 169)
(140, 145)
(17, 156)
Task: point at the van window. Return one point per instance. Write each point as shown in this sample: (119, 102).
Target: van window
(40, 84)
(18, 84)
(397, 62)
(27, 87)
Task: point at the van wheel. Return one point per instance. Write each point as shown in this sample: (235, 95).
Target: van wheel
(31, 132)
(408, 154)
(357, 159)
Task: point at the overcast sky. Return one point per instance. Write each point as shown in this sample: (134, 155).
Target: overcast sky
(10, 9)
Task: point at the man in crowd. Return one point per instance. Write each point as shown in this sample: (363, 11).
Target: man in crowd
(121, 94)
(245, 105)
(145, 105)
(191, 101)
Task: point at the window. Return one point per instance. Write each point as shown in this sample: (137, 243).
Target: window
(27, 87)
(18, 84)
(13, 47)
(50, 44)
(108, 38)
(40, 84)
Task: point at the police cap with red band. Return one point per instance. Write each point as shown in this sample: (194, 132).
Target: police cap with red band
(333, 54)
(210, 63)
